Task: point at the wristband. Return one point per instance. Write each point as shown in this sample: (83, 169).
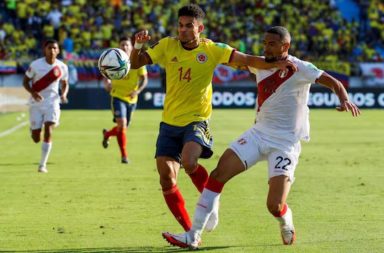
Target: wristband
(138, 46)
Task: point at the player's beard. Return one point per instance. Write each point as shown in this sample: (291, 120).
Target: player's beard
(272, 58)
(188, 43)
(275, 58)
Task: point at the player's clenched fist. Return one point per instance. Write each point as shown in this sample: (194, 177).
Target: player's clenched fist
(142, 37)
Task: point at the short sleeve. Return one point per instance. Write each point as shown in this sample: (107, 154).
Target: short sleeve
(142, 71)
(310, 71)
(64, 69)
(30, 73)
(223, 52)
(157, 50)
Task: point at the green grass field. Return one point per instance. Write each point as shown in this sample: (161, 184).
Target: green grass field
(90, 202)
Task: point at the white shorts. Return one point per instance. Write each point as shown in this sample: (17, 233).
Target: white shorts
(39, 114)
(252, 147)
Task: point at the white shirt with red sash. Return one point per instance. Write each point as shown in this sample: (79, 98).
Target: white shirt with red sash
(282, 111)
(46, 79)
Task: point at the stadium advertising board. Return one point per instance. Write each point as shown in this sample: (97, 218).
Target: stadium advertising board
(373, 73)
(226, 97)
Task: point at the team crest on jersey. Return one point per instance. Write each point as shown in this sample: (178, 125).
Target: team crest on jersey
(56, 72)
(201, 58)
(283, 73)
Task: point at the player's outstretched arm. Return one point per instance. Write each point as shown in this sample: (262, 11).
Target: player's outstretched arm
(258, 62)
(138, 56)
(337, 87)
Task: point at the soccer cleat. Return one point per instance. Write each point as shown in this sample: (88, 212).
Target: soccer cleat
(42, 169)
(105, 140)
(124, 160)
(183, 240)
(213, 219)
(288, 234)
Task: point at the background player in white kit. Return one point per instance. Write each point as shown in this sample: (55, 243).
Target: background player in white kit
(42, 81)
(282, 121)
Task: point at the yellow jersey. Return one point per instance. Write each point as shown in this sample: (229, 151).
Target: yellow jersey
(123, 87)
(189, 76)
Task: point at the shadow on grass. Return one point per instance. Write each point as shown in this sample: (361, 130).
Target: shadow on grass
(119, 250)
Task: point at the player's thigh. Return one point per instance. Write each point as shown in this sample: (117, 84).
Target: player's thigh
(169, 141)
(168, 169)
(119, 108)
(52, 114)
(36, 118)
(190, 155)
(249, 148)
(229, 166)
(199, 132)
(129, 112)
(284, 162)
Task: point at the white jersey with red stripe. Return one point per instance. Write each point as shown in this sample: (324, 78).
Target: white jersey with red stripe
(282, 111)
(39, 70)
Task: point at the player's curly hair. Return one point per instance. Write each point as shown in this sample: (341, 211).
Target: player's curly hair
(192, 10)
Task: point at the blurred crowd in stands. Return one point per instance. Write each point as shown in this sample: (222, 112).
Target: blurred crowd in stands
(83, 27)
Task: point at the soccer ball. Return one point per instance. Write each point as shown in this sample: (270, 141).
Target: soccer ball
(114, 64)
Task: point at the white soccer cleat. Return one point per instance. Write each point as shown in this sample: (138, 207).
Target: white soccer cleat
(213, 219)
(42, 169)
(183, 240)
(288, 234)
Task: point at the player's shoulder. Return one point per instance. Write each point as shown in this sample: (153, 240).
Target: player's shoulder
(300, 63)
(206, 41)
(37, 62)
(212, 43)
(60, 62)
(169, 39)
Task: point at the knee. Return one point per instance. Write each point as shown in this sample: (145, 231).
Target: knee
(275, 207)
(167, 182)
(189, 164)
(35, 138)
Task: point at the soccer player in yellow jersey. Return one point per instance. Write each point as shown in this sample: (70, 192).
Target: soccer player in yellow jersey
(184, 134)
(124, 94)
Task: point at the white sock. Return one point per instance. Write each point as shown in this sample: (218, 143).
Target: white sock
(203, 210)
(287, 218)
(45, 150)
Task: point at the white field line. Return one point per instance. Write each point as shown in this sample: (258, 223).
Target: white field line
(13, 129)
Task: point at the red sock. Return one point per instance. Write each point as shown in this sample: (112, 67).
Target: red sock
(112, 132)
(176, 204)
(122, 141)
(281, 212)
(199, 177)
(214, 185)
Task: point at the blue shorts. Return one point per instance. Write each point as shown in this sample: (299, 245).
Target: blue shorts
(171, 139)
(122, 109)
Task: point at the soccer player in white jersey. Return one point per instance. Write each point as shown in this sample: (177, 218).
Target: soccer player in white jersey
(282, 122)
(42, 81)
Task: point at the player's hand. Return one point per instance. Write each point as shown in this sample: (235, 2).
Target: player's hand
(133, 94)
(284, 65)
(142, 37)
(64, 100)
(347, 106)
(36, 96)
